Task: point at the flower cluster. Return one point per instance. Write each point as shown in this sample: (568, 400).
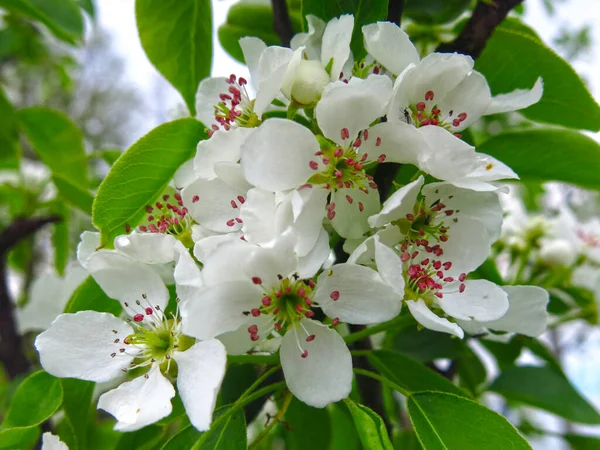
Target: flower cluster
(287, 173)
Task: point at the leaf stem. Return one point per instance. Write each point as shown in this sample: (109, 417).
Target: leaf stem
(382, 380)
(275, 421)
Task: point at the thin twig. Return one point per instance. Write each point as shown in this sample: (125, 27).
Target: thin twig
(395, 8)
(11, 350)
(487, 15)
(282, 22)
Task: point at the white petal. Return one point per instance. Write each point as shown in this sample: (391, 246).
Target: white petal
(353, 106)
(311, 41)
(482, 300)
(517, 99)
(364, 253)
(324, 376)
(218, 309)
(362, 295)
(398, 205)
(309, 265)
(308, 206)
(252, 48)
(272, 67)
(51, 442)
(527, 311)
(395, 142)
(428, 319)
(267, 264)
(184, 175)
(489, 168)
(148, 248)
(223, 146)
(217, 265)
(336, 43)
(207, 97)
(259, 216)
(140, 402)
(276, 156)
(390, 46)
(210, 204)
(205, 246)
(90, 241)
(200, 372)
(238, 342)
(353, 208)
(232, 174)
(46, 301)
(186, 275)
(389, 266)
(80, 346)
(125, 279)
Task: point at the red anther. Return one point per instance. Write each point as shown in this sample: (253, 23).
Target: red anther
(276, 311)
(230, 223)
(420, 106)
(447, 265)
(425, 262)
(308, 301)
(278, 294)
(440, 274)
(378, 142)
(462, 277)
(325, 160)
(266, 301)
(458, 135)
(414, 255)
(338, 152)
(339, 184)
(254, 337)
(304, 354)
(345, 133)
(235, 91)
(153, 228)
(376, 70)
(350, 161)
(335, 295)
(350, 199)
(138, 317)
(449, 279)
(456, 122)
(357, 142)
(358, 166)
(143, 228)
(126, 341)
(361, 207)
(241, 199)
(426, 122)
(429, 95)
(127, 228)
(309, 314)
(310, 338)
(277, 326)
(299, 308)
(224, 97)
(165, 197)
(195, 199)
(338, 173)
(422, 232)
(335, 321)
(177, 196)
(449, 212)
(437, 265)
(242, 81)
(438, 251)
(364, 158)
(232, 78)
(238, 220)
(253, 329)
(410, 217)
(405, 257)
(311, 283)
(150, 218)
(256, 280)
(381, 158)
(435, 111)
(288, 290)
(233, 204)
(341, 75)
(255, 312)
(319, 153)
(159, 205)
(149, 311)
(461, 288)
(462, 116)
(439, 295)
(149, 209)
(331, 206)
(313, 165)
(215, 127)
(434, 122)
(301, 292)
(330, 215)
(373, 185)
(443, 238)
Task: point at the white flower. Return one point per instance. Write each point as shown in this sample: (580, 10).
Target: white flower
(441, 89)
(48, 297)
(52, 442)
(268, 294)
(98, 346)
(557, 252)
(583, 236)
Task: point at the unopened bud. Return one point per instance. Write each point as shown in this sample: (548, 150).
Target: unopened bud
(558, 252)
(304, 82)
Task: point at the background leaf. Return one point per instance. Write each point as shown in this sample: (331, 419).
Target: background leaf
(578, 442)
(90, 296)
(371, 429)
(9, 135)
(77, 406)
(60, 238)
(19, 438)
(74, 194)
(231, 435)
(307, 426)
(545, 388)
(434, 12)
(445, 421)
(141, 174)
(177, 38)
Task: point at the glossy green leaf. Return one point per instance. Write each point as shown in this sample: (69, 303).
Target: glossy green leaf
(471, 371)
(364, 12)
(90, 296)
(407, 440)
(177, 38)
(307, 426)
(410, 374)
(423, 345)
(57, 141)
(143, 439)
(141, 174)
(548, 155)
(74, 194)
(343, 432)
(78, 409)
(578, 442)
(448, 422)
(10, 150)
(371, 429)
(60, 238)
(505, 353)
(37, 398)
(547, 389)
(19, 438)
(434, 12)
(230, 435)
(247, 18)
(514, 60)
(88, 6)
(184, 439)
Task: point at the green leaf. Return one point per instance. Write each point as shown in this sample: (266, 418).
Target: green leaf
(57, 141)
(364, 12)
(407, 440)
(143, 439)
(177, 38)
(307, 426)
(110, 155)
(514, 60)
(545, 388)
(37, 399)
(251, 19)
(10, 150)
(578, 442)
(489, 271)
(371, 429)
(548, 155)
(88, 6)
(423, 345)
(505, 352)
(410, 374)
(90, 296)
(141, 174)
(230, 435)
(343, 432)
(60, 238)
(471, 371)
(19, 438)
(184, 439)
(434, 12)
(447, 422)
(74, 194)
(62, 17)
(77, 406)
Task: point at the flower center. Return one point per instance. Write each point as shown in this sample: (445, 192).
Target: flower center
(428, 113)
(169, 217)
(235, 107)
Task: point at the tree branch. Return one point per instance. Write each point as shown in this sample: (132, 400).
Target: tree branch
(487, 15)
(395, 8)
(282, 22)
(11, 351)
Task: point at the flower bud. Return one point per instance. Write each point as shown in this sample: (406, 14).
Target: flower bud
(558, 252)
(304, 82)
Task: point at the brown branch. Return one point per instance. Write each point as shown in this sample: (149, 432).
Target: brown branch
(11, 351)
(395, 8)
(282, 22)
(487, 15)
